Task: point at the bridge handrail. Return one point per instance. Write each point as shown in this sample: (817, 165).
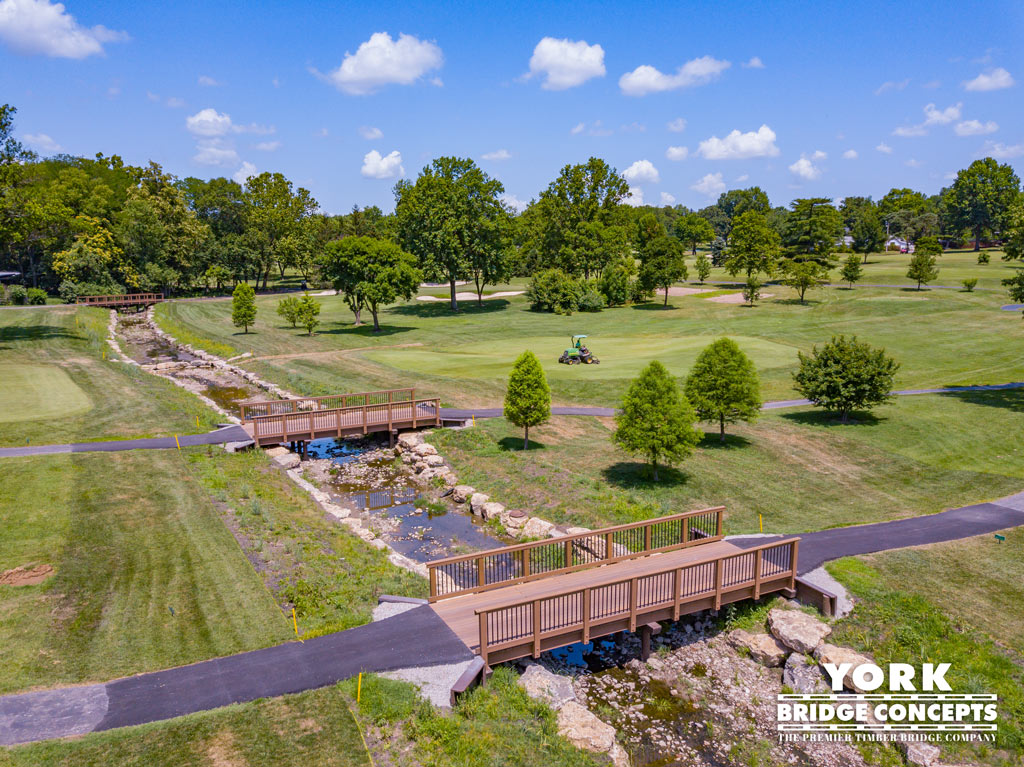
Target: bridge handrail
(298, 432)
(120, 298)
(475, 572)
(283, 406)
(700, 588)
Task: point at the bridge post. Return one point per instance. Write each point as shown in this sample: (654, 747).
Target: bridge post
(645, 642)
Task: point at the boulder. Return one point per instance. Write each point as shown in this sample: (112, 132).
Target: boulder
(584, 730)
(920, 754)
(288, 460)
(424, 449)
(576, 530)
(433, 460)
(409, 440)
(764, 648)
(542, 685)
(830, 653)
(462, 493)
(449, 479)
(797, 630)
(477, 501)
(491, 510)
(514, 521)
(804, 676)
(536, 528)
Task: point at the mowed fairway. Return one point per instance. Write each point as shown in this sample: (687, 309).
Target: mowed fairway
(39, 391)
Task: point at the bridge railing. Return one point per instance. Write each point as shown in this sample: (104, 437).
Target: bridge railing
(484, 570)
(529, 622)
(256, 408)
(317, 424)
(121, 298)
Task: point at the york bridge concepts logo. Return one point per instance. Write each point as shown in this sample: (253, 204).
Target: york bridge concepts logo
(913, 707)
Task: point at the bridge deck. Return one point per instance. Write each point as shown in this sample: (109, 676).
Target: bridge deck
(305, 426)
(122, 300)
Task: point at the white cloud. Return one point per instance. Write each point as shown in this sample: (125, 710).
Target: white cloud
(677, 126)
(635, 197)
(208, 122)
(818, 155)
(596, 129)
(754, 63)
(501, 154)
(1001, 151)
(677, 153)
(39, 26)
(884, 148)
(215, 152)
(641, 171)
(322, 133)
(975, 128)
(909, 131)
(933, 116)
(208, 81)
(387, 166)
(370, 133)
(932, 84)
(912, 163)
(646, 79)
(578, 128)
(892, 85)
(633, 127)
(805, 168)
(741, 178)
(267, 146)
(711, 185)
(175, 103)
(152, 96)
(514, 202)
(566, 63)
(243, 174)
(993, 80)
(667, 199)
(850, 154)
(737, 146)
(437, 82)
(42, 142)
(383, 61)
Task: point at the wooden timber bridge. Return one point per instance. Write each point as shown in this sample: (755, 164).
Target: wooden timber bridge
(521, 600)
(138, 301)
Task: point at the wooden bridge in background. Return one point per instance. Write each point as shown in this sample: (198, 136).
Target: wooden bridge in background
(122, 300)
(277, 422)
(521, 600)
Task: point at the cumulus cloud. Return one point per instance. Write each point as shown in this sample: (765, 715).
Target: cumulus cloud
(514, 202)
(975, 128)
(647, 79)
(208, 81)
(267, 146)
(40, 27)
(578, 128)
(892, 85)
(42, 142)
(215, 152)
(884, 148)
(243, 174)
(566, 63)
(667, 199)
(711, 185)
(741, 178)
(500, 154)
(677, 126)
(208, 122)
(738, 146)
(677, 153)
(596, 128)
(370, 133)
(993, 80)
(909, 131)
(635, 197)
(174, 102)
(387, 166)
(1001, 151)
(805, 167)
(382, 61)
(850, 154)
(754, 63)
(640, 172)
(912, 163)
(933, 116)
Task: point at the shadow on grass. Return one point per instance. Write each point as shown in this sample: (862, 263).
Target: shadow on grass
(365, 330)
(1006, 399)
(428, 309)
(796, 302)
(515, 445)
(713, 441)
(830, 419)
(15, 333)
(654, 307)
(636, 475)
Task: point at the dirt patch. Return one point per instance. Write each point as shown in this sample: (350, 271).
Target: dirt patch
(222, 753)
(674, 291)
(26, 575)
(308, 725)
(734, 298)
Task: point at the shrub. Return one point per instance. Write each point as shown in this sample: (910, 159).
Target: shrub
(17, 295)
(552, 290)
(845, 375)
(969, 284)
(614, 284)
(639, 293)
(36, 297)
(984, 258)
(928, 246)
(752, 290)
(68, 292)
(591, 301)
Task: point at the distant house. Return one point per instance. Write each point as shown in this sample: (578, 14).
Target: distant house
(898, 243)
(9, 276)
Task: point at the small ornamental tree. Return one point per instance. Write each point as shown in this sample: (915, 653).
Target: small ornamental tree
(852, 270)
(703, 267)
(922, 269)
(723, 385)
(288, 308)
(528, 399)
(805, 275)
(243, 306)
(308, 313)
(656, 420)
(752, 290)
(845, 375)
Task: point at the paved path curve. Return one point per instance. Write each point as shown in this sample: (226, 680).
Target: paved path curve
(417, 637)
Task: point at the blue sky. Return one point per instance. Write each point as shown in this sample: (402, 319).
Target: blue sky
(327, 95)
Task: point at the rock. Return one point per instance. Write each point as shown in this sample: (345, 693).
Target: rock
(491, 510)
(541, 684)
(804, 676)
(576, 530)
(274, 452)
(424, 449)
(764, 648)
(449, 479)
(409, 440)
(288, 460)
(514, 521)
(462, 493)
(477, 501)
(797, 630)
(920, 754)
(584, 730)
(434, 460)
(830, 653)
(537, 528)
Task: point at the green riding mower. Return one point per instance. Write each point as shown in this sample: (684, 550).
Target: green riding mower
(578, 354)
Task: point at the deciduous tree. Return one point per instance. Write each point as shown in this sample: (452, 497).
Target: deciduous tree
(243, 306)
(703, 267)
(754, 248)
(723, 385)
(804, 275)
(981, 198)
(922, 269)
(662, 263)
(852, 270)
(528, 398)
(308, 313)
(693, 229)
(288, 309)
(845, 375)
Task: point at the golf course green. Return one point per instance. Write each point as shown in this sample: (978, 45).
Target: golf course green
(35, 392)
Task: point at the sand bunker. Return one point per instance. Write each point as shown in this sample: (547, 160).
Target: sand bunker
(25, 575)
(734, 298)
(472, 296)
(685, 291)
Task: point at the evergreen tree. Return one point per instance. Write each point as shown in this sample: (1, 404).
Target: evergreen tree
(656, 420)
(243, 306)
(922, 269)
(723, 385)
(528, 399)
(846, 375)
(703, 267)
(308, 313)
(852, 270)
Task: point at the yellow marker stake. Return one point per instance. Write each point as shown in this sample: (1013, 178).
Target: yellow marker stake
(176, 442)
(760, 522)
(295, 623)
(474, 419)
(197, 422)
(359, 686)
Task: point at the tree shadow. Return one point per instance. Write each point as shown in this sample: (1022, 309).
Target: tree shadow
(365, 330)
(829, 419)
(515, 445)
(1006, 399)
(429, 309)
(653, 306)
(713, 441)
(795, 302)
(16, 333)
(638, 475)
